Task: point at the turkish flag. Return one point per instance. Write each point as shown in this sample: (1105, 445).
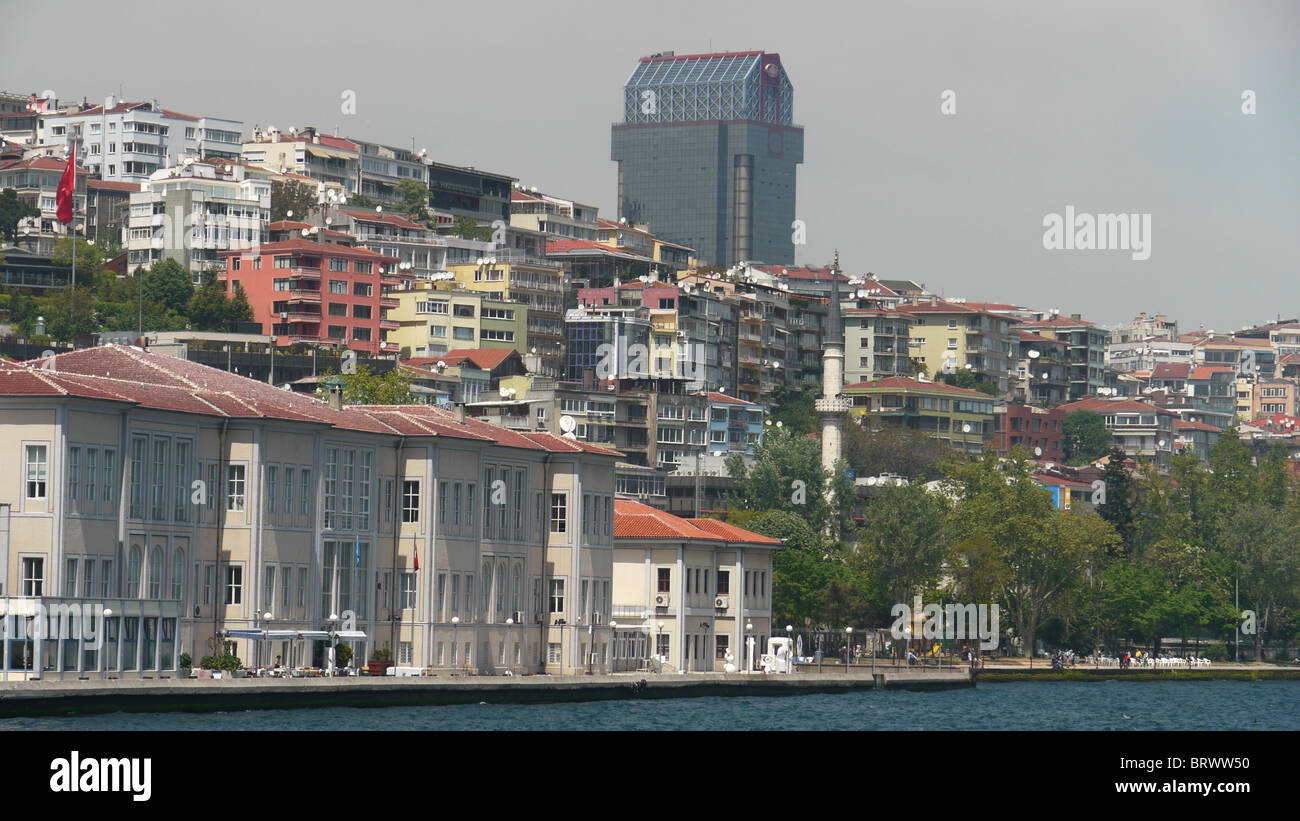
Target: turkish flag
(417, 555)
(67, 187)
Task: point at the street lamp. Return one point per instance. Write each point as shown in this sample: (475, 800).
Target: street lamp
(455, 625)
(789, 649)
(749, 645)
(657, 635)
(103, 626)
(333, 620)
(613, 629)
(848, 648)
(509, 623)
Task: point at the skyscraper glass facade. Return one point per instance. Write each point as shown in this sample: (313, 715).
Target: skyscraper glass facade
(707, 152)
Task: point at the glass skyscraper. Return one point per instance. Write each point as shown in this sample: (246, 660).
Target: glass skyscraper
(707, 152)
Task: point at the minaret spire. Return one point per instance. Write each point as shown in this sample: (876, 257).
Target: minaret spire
(833, 406)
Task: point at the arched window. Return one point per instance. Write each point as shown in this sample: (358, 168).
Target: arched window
(486, 597)
(132, 590)
(502, 580)
(155, 573)
(178, 574)
(514, 599)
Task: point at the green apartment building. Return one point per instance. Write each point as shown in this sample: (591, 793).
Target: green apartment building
(958, 416)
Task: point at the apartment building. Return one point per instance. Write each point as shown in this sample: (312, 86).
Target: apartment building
(36, 182)
(382, 168)
(420, 252)
(557, 218)
(1039, 430)
(128, 142)
(1140, 428)
(1085, 351)
(695, 593)
(195, 212)
(948, 336)
(318, 293)
(960, 417)
(1041, 374)
(210, 513)
(1274, 396)
(877, 343)
(512, 275)
(436, 317)
(330, 159)
(1144, 328)
(1146, 354)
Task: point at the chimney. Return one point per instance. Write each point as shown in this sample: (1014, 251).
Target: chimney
(460, 412)
(934, 300)
(1077, 317)
(336, 396)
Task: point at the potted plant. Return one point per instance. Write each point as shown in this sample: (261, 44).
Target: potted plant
(343, 655)
(186, 663)
(380, 661)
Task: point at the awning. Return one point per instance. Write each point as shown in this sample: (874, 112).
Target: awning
(281, 635)
(244, 634)
(350, 635)
(313, 635)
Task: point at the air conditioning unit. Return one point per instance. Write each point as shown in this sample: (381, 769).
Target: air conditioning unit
(663, 600)
(518, 616)
(722, 602)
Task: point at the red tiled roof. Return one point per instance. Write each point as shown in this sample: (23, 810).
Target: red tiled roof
(386, 219)
(904, 383)
(114, 185)
(520, 196)
(565, 246)
(634, 520)
(940, 307)
(1113, 405)
(1048, 479)
(714, 396)
(40, 164)
(156, 381)
(1201, 372)
(1185, 425)
(1059, 321)
(484, 358)
(1171, 370)
(319, 247)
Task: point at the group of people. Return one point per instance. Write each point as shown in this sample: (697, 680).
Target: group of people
(1062, 659)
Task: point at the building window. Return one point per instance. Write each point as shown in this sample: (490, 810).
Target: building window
(724, 582)
(559, 512)
(33, 576)
(235, 487)
(37, 470)
(557, 596)
(411, 500)
(721, 644)
(234, 584)
(665, 579)
(408, 591)
(553, 653)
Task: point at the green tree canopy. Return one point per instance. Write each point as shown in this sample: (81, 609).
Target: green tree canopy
(297, 197)
(167, 282)
(1086, 437)
(786, 474)
(903, 541)
(13, 211)
(365, 387)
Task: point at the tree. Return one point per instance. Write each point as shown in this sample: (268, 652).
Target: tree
(13, 211)
(468, 228)
(903, 541)
(237, 307)
(413, 200)
(1086, 437)
(1039, 556)
(23, 311)
(169, 283)
(90, 257)
(795, 411)
(207, 308)
(1264, 544)
(297, 197)
(786, 474)
(364, 387)
(1118, 507)
(70, 314)
(891, 448)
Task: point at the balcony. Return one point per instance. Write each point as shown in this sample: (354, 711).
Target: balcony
(312, 297)
(389, 325)
(388, 302)
(302, 316)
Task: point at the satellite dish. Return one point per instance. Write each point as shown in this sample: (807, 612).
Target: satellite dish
(1162, 443)
(567, 423)
(871, 480)
(965, 428)
(289, 213)
(1038, 451)
(1034, 354)
(306, 232)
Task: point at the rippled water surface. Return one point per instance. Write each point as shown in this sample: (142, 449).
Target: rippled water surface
(1112, 705)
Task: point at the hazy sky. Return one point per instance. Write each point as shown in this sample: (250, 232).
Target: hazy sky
(1107, 107)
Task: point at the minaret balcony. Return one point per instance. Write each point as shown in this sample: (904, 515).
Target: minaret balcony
(837, 404)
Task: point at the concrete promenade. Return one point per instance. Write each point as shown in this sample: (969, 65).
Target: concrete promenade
(205, 695)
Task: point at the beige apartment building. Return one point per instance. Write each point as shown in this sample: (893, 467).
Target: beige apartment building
(199, 511)
(689, 591)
